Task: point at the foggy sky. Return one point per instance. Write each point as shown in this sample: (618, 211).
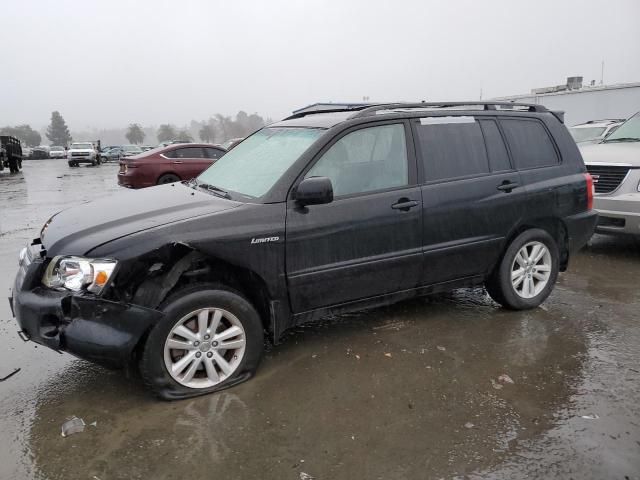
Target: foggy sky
(110, 63)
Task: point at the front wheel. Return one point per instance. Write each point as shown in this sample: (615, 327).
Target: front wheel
(210, 338)
(527, 272)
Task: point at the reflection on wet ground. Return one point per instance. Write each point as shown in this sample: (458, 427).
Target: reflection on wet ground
(415, 390)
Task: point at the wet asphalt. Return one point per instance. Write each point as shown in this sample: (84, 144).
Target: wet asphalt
(416, 390)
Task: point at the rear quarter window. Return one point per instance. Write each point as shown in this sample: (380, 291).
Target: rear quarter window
(529, 142)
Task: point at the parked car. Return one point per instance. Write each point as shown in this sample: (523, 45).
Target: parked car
(614, 165)
(116, 153)
(594, 131)
(57, 152)
(321, 213)
(167, 165)
(146, 148)
(82, 152)
(38, 153)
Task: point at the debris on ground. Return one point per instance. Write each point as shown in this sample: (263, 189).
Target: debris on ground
(73, 425)
(469, 425)
(441, 348)
(590, 417)
(306, 476)
(504, 378)
(387, 354)
(6, 377)
(358, 357)
(495, 384)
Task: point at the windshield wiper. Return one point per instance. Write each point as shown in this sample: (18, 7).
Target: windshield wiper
(213, 189)
(622, 139)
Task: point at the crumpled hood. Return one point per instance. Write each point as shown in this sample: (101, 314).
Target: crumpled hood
(621, 152)
(78, 230)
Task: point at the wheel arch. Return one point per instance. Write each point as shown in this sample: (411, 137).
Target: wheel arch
(554, 226)
(152, 277)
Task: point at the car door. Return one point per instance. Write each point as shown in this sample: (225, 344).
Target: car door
(367, 241)
(472, 196)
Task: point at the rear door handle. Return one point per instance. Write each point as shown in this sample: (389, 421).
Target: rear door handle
(404, 204)
(507, 186)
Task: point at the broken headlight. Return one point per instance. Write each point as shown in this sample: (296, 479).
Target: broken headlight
(78, 273)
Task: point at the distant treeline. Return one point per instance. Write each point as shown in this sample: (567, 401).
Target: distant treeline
(216, 129)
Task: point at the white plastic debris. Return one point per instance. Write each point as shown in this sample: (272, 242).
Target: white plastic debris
(73, 425)
(504, 378)
(468, 425)
(590, 417)
(495, 384)
(442, 349)
(306, 476)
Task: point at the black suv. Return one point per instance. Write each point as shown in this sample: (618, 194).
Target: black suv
(321, 213)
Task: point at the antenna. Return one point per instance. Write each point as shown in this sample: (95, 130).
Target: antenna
(602, 73)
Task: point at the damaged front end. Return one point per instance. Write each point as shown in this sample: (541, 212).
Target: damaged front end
(97, 329)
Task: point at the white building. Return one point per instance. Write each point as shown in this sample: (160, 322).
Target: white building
(583, 103)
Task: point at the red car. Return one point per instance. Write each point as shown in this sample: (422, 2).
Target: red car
(169, 164)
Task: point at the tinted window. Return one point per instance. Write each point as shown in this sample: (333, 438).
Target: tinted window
(451, 147)
(213, 153)
(529, 142)
(190, 152)
(496, 149)
(369, 159)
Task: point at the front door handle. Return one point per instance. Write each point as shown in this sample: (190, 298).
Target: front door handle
(507, 186)
(404, 204)
(177, 161)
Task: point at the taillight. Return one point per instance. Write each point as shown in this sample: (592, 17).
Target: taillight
(590, 190)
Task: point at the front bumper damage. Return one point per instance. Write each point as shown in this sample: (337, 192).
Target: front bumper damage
(95, 329)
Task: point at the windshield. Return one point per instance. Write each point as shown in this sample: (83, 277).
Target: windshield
(255, 165)
(56, 149)
(629, 131)
(582, 134)
(131, 148)
(82, 146)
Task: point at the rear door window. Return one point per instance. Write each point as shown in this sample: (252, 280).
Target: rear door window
(189, 152)
(496, 149)
(213, 152)
(451, 147)
(530, 144)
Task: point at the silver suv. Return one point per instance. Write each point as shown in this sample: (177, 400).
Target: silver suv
(594, 131)
(614, 165)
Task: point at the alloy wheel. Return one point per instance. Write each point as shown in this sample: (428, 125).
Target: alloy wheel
(531, 269)
(204, 348)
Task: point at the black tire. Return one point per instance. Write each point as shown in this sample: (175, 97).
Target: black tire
(499, 284)
(13, 166)
(179, 304)
(168, 178)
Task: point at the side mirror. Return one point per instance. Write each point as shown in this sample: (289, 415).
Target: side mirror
(314, 191)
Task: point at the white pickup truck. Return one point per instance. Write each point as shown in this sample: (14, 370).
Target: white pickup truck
(82, 152)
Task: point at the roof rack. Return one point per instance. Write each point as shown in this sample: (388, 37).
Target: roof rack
(327, 108)
(392, 107)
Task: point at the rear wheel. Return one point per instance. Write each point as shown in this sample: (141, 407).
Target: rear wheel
(168, 178)
(13, 166)
(210, 338)
(527, 272)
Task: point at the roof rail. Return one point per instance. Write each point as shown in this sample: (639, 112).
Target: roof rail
(374, 109)
(327, 108)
